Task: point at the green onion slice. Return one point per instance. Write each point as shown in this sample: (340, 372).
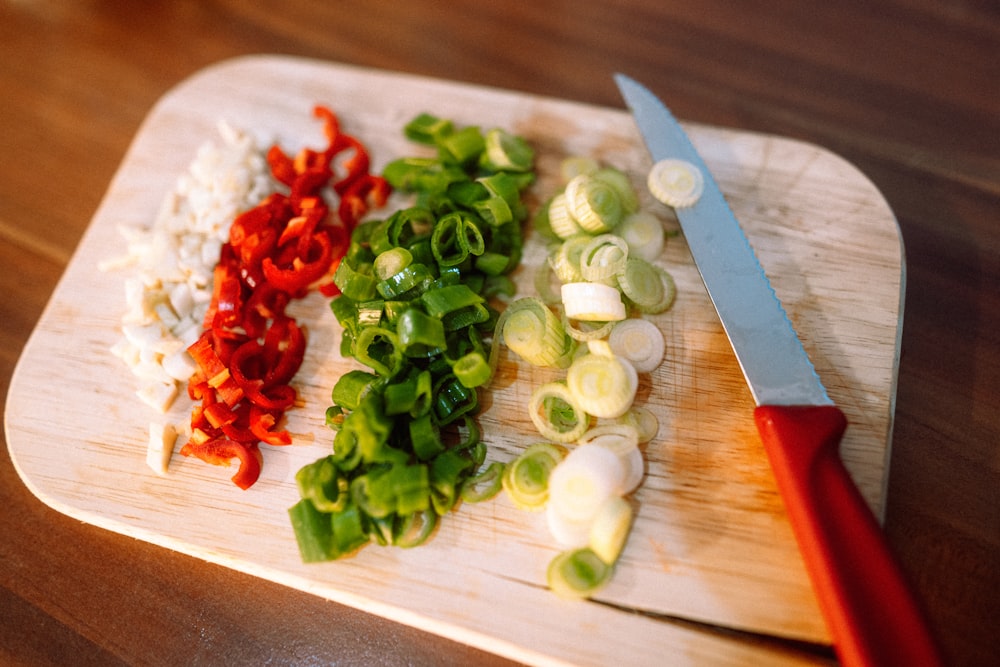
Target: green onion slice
(526, 478)
(640, 342)
(578, 573)
(602, 385)
(556, 413)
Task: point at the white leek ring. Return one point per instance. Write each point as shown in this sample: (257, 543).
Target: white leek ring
(676, 183)
(640, 341)
(592, 302)
(554, 398)
(602, 386)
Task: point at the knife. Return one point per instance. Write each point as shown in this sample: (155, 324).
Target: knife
(869, 609)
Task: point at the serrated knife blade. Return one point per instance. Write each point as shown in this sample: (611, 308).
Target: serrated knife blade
(871, 612)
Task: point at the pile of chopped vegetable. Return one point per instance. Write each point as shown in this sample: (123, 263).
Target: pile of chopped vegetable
(251, 347)
(602, 251)
(415, 310)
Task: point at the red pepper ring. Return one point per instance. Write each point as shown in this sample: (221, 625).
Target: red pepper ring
(276, 397)
(301, 274)
(290, 351)
(282, 166)
(366, 192)
(221, 451)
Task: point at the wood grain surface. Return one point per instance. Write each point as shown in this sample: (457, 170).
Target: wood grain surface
(905, 90)
(711, 542)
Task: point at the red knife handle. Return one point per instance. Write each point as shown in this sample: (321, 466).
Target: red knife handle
(869, 609)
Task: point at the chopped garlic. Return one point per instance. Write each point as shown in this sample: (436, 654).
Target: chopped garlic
(170, 288)
(161, 446)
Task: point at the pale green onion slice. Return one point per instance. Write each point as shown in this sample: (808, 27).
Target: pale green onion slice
(644, 234)
(533, 332)
(577, 574)
(640, 342)
(610, 528)
(526, 478)
(592, 302)
(587, 331)
(593, 203)
(669, 293)
(619, 180)
(641, 283)
(618, 437)
(643, 421)
(506, 152)
(604, 386)
(556, 414)
(603, 258)
(561, 222)
(565, 258)
(391, 262)
(579, 485)
(676, 183)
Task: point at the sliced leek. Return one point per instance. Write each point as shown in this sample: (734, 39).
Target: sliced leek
(593, 203)
(640, 342)
(610, 528)
(604, 386)
(592, 302)
(603, 258)
(556, 414)
(579, 485)
(533, 332)
(676, 183)
(526, 478)
(643, 421)
(644, 234)
(577, 574)
(561, 221)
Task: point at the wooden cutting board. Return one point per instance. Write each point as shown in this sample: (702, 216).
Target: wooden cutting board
(710, 573)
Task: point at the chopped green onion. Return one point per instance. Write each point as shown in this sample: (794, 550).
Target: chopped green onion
(640, 342)
(579, 485)
(556, 413)
(561, 221)
(526, 478)
(472, 369)
(643, 421)
(483, 485)
(533, 332)
(620, 182)
(593, 203)
(578, 573)
(391, 262)
(576, 165)
(604, 257)
(602, 385)
(676, 183)
(426, 128)
(592, 302)
(644, 234)
(506, 152)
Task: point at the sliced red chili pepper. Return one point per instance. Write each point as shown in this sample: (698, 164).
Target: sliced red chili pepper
(251, 349)
(221, 451)
(282, 167)
(298, 277)
(262, 423)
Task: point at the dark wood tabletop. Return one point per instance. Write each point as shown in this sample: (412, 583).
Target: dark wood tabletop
(907, 90)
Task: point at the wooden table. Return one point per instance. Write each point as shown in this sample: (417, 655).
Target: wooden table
(908, 92)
